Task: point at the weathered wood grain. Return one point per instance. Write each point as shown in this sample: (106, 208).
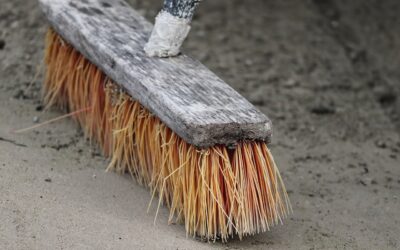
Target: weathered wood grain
(191, 100)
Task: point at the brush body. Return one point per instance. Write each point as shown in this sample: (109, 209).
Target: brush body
(191, 100)
(215, 190)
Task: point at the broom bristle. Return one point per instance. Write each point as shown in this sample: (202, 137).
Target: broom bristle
(217, 192)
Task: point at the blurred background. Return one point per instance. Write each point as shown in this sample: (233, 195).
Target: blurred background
(325, 72)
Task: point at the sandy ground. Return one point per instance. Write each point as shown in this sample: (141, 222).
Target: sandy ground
(326, 72)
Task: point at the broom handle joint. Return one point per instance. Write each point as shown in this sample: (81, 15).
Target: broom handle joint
(171, 28)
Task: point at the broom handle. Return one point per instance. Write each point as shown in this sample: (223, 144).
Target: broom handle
(181, 8)
(171, 28)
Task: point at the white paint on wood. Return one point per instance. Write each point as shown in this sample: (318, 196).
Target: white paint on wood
(168, 35)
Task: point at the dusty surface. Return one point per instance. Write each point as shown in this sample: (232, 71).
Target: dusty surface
(326, 73)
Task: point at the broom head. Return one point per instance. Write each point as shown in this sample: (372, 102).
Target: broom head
(216, 181)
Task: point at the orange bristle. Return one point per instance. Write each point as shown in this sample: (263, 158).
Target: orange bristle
(216, 192)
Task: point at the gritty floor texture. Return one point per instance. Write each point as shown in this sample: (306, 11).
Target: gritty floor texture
(327, 74)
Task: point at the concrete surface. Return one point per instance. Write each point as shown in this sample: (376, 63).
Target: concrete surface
(326, 73)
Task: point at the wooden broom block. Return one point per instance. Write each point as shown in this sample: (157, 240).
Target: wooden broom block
(191, 100)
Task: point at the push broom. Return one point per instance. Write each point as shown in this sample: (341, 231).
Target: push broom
(169, 122)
